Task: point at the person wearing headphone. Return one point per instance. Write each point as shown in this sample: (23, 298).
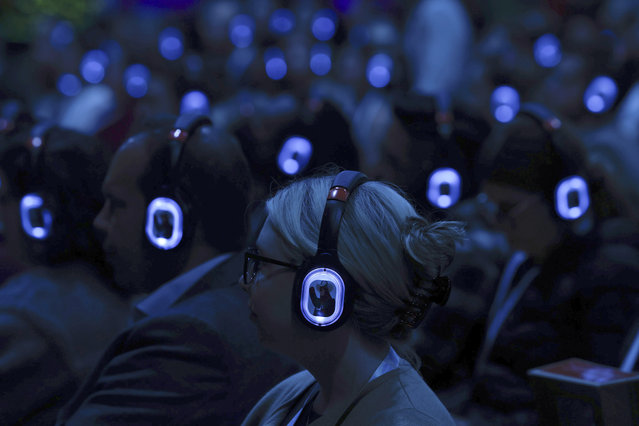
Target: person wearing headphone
(561, 293)
(382, 263)
(173, 221)
(61, 310)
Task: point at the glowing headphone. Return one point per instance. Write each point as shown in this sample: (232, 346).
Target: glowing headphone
(444, 187)
(165, 214)
(323, 291)
(36, 214)
(444, 184)
(571, 196)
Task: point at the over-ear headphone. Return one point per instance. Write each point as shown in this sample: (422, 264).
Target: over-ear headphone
(323, 292)
(36, 211)
(167, 219)
(430, 119)
(571, 195)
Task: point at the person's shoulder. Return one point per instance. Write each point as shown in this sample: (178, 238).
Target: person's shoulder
(412, 401)
(294, 383)
(215, 322)
(217, 306)
(410, 417)
(279, 396)
(423, 401)
(288, 388)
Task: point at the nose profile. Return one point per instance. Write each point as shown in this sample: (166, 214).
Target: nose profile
(245, 287)
(99, 222)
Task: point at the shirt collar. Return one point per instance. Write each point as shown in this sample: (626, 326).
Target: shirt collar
(171, 291)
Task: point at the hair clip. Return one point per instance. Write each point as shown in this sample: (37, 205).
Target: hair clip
(413, 315)
(441, 292)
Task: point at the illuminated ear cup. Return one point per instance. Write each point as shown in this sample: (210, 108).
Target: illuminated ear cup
(572, 198)
(36, 218)
(294, 155)
(444, 187)
(164, 223)
(321, 294)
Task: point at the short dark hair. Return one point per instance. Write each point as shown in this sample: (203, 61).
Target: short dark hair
(527, 154)
(71, 172)
(213, 174)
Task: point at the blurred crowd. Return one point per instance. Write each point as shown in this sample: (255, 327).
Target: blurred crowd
(520, 119)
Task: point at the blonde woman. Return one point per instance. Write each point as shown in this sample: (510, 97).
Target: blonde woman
(381, 263)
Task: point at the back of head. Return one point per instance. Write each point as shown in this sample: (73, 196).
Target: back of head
(533, 152)
(67, 171)
(212, 175)
(390, 251)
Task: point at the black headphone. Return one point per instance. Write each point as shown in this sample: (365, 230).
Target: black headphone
(36, 211)
(167, 214)
(572, 195)
(323, 272)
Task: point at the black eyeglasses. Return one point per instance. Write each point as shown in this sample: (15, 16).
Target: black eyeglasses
(252, 265)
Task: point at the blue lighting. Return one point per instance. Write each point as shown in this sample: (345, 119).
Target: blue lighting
(164, 223)
(136, 80)
(241, 30)
(171, 43)
(93, 66)
(343, 5)
(317, 278)
(194, 63)
(571, 198)
(113, 50)
(379, 70)
(320, 62)
(282, 22)
(36, 220)
(601, 94)
(194, 101)
(504, 103)
(324, 24)
(274, 63)
(62, 35)
(69, 85)
(444, 187)
(547, 51)
(295, 155)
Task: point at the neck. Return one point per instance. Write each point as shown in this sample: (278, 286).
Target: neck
(343, 371)
(199, 254)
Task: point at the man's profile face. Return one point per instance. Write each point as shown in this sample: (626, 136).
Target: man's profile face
(121, 219)
(525, 218)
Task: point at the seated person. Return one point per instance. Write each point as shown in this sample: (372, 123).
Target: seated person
(562, 293)
(60, 312)
(173, 223)
(384, 265)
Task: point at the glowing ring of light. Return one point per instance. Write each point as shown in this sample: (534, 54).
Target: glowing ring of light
(562, 191)
(323, 274)
(171, 207)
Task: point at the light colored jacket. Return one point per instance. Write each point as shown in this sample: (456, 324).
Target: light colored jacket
(399, 397)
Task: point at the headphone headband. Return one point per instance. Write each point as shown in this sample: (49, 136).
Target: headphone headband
(36, 145)
(542, 115)
(166, 215)
(185, 125)
(342, 187)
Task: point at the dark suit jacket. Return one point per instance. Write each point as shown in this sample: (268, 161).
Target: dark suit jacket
(199, 362)
(55, 322)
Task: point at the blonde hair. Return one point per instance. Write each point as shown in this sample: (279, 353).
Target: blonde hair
(391, 251)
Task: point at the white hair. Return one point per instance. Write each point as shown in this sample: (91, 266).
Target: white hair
(391, 251)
